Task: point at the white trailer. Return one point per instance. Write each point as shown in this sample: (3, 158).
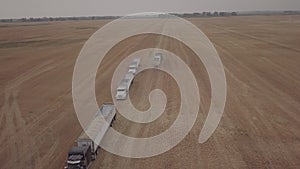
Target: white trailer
(132, 70)
(135, 63)
(133, 67)
(97, 128)
(123, 88)
(157, 59)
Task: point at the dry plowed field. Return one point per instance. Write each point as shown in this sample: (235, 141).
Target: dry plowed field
(260, 127)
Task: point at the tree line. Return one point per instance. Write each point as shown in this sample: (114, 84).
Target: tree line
(183, 15)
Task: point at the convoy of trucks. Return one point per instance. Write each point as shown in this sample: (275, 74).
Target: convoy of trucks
(86, 150)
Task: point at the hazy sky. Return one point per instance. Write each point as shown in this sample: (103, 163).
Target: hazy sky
(40, 8)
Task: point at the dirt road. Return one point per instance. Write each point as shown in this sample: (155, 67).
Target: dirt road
(259, 128)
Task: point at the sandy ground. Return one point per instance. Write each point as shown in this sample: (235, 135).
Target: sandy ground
(259, 128)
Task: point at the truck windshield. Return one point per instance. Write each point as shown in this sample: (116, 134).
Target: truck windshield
(121, 90)
(74, 166)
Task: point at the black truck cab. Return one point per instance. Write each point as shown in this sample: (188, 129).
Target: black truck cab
(79, 157)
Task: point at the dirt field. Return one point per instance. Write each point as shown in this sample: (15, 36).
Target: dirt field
(260, 127)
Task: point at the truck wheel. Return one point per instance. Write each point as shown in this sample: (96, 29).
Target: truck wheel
(97, 152)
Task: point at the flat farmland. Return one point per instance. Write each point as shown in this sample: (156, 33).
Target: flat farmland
(260, 127)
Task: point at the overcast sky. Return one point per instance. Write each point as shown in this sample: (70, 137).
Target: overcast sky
(40, 8)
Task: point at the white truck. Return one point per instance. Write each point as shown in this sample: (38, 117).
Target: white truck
(157, 59)
(133, 67)
(123, 88)
(81, 156)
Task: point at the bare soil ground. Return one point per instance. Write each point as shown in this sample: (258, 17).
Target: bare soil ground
(259, 128)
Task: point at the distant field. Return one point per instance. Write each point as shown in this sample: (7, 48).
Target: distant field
(259, 128)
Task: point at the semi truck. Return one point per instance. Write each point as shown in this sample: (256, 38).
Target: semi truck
(79, 157)
(133, 67)
(157, 59)
(87, 148)
(123, 88)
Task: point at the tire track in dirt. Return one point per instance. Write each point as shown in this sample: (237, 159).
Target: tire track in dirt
(13, 125)
(269, 127)
(265, 84)
(46, 159)
(255, 38)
